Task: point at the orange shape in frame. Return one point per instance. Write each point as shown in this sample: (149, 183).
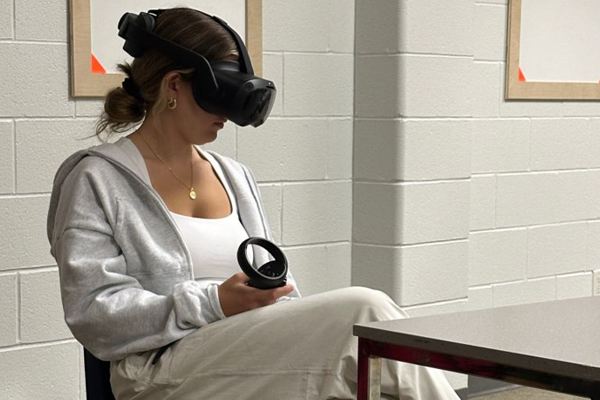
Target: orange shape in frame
(97, 68)
(521, 76)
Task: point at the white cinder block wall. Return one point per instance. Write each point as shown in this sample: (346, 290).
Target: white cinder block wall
(302, 159)
(463, 200)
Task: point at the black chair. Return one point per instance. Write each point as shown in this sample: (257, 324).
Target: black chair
(97, 378)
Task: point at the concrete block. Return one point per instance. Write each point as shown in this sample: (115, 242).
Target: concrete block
(436, 149)
(261, 149)
(435, 211)
(339, 149)
(378, 150)
(434, 272)
(574, 285)
(560, 144)
(6, 19)
(377, 86)
(8, 311)
(486, 93)
(579, 192)
(44, 20)
(580, 109)
(436, 308)
(309, 267)
(527, 199)
(286, 149)
(271, 195)
(431, 28)
(378, 267)
(378, 26)
(226, 142)
(414, 274)
(412, 150)
(318, 84)
(595, 142)
(480, 298)
(45, 91)
(341, 26)
(7, 157)
(41, 372)
(593, 247)
(557, 249)
(525, 292)
(500, 145)
(436, 86)
(490, 24)
(317, 212)
(377, 215)
(296, 26)
(497, 256)
(483, 202)
(88, 107)
(23, 241)
(41, 316)
(339, 265)
(42, 145)
(273, 70)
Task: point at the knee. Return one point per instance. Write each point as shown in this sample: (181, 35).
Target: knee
(374, 302)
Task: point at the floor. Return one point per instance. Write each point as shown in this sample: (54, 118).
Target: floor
(527, 394)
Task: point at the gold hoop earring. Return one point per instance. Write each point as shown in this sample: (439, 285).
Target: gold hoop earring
(172, 103)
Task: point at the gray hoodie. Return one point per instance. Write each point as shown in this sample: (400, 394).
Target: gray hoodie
(126, 275)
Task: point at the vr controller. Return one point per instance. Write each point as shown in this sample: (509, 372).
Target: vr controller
(226, 88)
(270, 275)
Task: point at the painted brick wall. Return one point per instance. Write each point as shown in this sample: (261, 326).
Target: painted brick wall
(534, 189)
(302, 159)
(461, 199)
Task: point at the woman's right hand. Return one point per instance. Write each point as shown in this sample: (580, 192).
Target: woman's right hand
(237, 297)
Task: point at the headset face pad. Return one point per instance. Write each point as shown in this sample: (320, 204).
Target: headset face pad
(225, 88)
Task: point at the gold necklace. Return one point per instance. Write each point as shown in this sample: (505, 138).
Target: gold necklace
(192, 193)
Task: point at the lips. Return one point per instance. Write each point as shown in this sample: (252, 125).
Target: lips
(221, 122)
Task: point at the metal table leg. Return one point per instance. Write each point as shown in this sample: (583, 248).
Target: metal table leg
(369, 372)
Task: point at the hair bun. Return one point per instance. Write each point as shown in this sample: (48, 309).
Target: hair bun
(132, 88)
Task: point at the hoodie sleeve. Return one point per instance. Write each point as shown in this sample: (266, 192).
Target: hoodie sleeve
(106, 307)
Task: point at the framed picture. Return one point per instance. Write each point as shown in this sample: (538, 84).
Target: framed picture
(96, 48)
(553, 50)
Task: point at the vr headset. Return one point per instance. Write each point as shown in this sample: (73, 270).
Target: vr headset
(225, 88)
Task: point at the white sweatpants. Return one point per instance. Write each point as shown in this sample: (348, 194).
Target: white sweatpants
(299, 350)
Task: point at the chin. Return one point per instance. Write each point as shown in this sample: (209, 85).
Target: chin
(207, 138)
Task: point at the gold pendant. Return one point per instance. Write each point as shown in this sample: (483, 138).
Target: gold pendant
(192, 194)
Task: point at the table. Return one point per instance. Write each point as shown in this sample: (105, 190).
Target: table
(552, 346)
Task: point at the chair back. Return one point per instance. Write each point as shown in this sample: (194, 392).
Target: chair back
(97, 378)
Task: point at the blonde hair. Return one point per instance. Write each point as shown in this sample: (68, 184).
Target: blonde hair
(184, 26)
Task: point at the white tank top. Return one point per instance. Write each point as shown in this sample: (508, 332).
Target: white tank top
(213, 243)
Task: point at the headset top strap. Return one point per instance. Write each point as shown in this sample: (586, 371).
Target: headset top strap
(244, 58)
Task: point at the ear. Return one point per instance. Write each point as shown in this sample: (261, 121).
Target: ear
(172, 83)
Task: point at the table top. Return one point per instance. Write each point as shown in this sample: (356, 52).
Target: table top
(559, 337)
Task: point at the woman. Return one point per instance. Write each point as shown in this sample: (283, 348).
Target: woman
(145, 232)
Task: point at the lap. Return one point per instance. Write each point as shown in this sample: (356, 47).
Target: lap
(296, 340)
